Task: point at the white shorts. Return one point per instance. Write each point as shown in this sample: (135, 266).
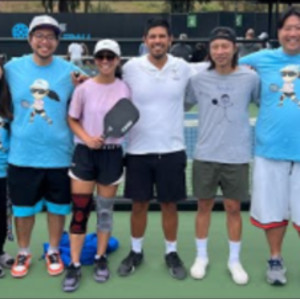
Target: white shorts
(276, 193)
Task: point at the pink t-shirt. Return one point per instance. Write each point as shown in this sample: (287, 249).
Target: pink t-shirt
(91, 101)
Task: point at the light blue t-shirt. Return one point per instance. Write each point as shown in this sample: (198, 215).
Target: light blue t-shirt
(277, 127)
(4, 146)
(40, 136)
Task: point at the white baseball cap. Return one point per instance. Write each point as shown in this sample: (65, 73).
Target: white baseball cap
(44, 21)
(109, 45)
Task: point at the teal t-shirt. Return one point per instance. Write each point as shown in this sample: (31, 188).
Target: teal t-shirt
(40, 136)
(277, 127)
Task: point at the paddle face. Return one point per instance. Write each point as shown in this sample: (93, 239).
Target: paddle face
(120, 119)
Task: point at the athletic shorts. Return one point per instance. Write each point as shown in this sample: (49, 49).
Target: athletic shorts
(160, 176)
(276, 193)
(233, 179)
(32, 188)
(105, 166)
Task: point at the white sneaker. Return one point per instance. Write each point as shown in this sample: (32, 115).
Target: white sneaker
(238, 273)
(198, 270)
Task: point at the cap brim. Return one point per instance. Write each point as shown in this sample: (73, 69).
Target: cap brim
(48, 26)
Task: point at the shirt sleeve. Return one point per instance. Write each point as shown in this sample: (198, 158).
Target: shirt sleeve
(256, 89)
(251, 60)
(190, 96)
(77, 102)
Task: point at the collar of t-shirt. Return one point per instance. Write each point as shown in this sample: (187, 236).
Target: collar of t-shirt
(171, 63)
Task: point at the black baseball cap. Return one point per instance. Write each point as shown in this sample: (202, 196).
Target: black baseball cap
(222, 33)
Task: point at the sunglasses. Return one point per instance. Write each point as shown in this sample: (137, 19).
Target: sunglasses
(288, 74)
(39, 91)
(108, 56)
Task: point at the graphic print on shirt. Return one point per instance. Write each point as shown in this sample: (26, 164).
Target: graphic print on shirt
(289, 75)
(40, 89)
(223, 101)
(3, 125)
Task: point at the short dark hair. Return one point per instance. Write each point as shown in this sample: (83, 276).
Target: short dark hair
(291, 11)
(157, 22)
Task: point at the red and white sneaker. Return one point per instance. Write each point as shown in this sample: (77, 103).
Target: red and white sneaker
(21, 265)
(54, 263)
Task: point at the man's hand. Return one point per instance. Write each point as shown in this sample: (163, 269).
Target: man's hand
(78, 78)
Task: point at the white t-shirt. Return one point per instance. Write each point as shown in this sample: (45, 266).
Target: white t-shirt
(159, 96)
(75, 50)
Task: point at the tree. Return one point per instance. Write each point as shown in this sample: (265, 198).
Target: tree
(63, 5)
(183, 6)
(178, 6)
(48, 5)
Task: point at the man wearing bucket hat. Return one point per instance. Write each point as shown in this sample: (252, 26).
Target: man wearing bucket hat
(41, 141)
(223, 92)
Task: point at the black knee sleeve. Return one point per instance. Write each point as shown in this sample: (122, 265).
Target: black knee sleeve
(82, 204)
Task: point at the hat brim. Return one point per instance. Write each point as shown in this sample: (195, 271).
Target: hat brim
(48, 26)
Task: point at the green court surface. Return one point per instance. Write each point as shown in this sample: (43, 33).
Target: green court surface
(152, 279)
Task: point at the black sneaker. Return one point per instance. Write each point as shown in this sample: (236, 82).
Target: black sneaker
(2, 273)
(101, 271)
(175, 265)
(130, 263)
(72, 279)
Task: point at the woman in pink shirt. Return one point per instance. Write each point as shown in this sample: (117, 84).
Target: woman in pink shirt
(97, 162)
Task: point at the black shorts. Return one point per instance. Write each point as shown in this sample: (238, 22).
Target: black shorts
(30, 188)
(105, 166)
(160, 176)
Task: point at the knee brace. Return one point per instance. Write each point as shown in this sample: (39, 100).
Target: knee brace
(104, 208)
(81, 210)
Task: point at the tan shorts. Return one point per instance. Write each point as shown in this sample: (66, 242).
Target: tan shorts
(233, 179)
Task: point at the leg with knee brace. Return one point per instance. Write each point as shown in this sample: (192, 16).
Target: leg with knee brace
(82, 204)
(104, 208)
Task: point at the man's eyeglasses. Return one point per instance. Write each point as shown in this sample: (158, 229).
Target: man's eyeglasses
(40, 37)
(108, 56)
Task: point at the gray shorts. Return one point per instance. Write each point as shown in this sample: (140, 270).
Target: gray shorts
(233, 179)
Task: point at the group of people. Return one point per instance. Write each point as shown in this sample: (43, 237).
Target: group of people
(45, 169)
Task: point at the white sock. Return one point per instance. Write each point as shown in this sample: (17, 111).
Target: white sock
(234, 252)
(52, 250)
(201, 246)
(24, 251)
(77, 265)
(171, 246)
(137, 244)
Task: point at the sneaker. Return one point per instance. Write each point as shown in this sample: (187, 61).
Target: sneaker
(276, 272)
(175, 265)
(101, 271)
(72, 279)
(238, 273)
(198, 270)
(130, 263)
(21, 265)
(54, 263)
(2, 273)
(6, 260)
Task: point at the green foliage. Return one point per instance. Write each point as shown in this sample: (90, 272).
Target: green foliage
(102, 7)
